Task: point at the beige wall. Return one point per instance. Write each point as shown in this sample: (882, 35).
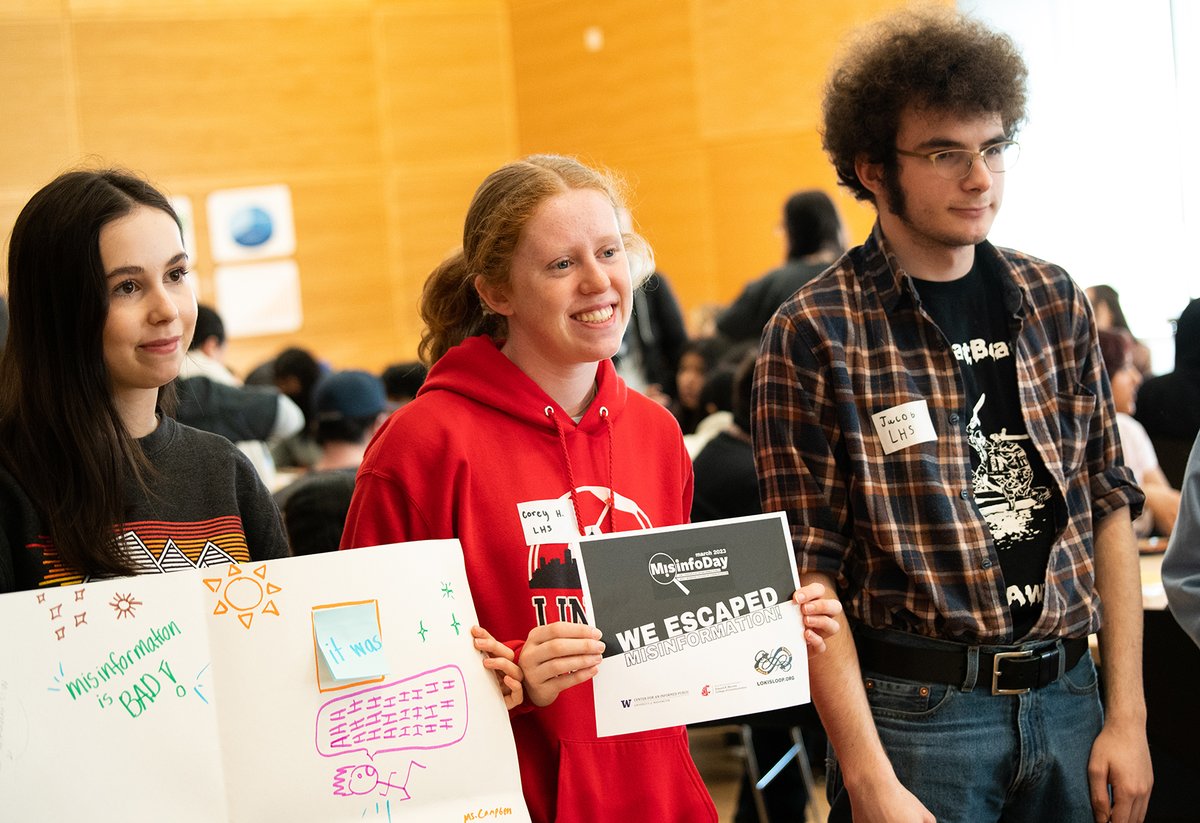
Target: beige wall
(382, 116)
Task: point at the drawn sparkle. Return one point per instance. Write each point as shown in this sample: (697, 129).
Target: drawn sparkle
(81, 618)
(125, 605)
(58, 678)
(196, 688)
(79, 595)
(454, 624)
(447, 590)
(422, 630)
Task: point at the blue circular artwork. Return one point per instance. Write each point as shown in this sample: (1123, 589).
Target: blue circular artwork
(251, 226)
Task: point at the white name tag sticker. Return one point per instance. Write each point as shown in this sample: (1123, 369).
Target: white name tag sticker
(548, 521)
(905, 425)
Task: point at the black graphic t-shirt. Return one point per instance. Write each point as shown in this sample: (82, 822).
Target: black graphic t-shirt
(1012, 488)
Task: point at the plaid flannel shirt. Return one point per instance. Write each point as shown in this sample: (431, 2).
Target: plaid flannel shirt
(900, 532)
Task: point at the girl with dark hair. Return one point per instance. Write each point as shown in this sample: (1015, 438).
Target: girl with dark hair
(95, 479)
(522, 404)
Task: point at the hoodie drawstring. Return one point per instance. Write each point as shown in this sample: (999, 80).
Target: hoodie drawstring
(562, 442)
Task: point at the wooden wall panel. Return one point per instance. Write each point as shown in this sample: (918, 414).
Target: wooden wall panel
(36, 105)
(27, 10)
(762, 72)
(637, 89)
(449, 120)
(208, 8)
(229, 98)
(446, 77)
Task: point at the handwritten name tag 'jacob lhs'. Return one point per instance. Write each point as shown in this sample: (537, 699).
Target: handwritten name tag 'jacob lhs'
(905, 425)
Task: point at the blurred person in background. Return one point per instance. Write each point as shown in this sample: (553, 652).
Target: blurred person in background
(402, 381)
(1162, 501)
(349, 407)
(295, 373)
(1106, 306)
(1169, 405)
(212, 399)
(815, 239)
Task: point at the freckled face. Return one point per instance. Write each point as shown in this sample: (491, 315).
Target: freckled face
(152, 309)
(568, 296)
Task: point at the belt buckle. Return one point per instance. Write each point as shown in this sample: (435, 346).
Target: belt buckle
(996, 671)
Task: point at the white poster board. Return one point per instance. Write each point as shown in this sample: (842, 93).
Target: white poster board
(259, 298)
(218, 695)
(698, 622)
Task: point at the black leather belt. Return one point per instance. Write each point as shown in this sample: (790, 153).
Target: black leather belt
(1012, 671)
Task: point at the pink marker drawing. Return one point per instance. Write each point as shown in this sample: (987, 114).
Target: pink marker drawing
(425, 711)
(364, 779)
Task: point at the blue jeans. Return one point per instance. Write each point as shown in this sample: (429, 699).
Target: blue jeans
(971, 756)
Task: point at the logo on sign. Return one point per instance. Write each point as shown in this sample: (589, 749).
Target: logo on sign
(767, 662)
(665, 569)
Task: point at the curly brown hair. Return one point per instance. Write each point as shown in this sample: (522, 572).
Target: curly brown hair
(928, 58)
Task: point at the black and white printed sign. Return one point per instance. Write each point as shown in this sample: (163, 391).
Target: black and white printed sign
(698, 622)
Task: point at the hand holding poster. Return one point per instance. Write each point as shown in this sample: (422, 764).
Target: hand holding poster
(698, 622)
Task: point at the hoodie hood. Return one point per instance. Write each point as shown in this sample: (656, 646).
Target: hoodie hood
(1187, 338)
(476, 369)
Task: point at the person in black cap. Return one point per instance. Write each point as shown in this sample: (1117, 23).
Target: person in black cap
(402, 381)
(349, 406)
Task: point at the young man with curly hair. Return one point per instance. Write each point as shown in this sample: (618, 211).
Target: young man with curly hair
(933, 415)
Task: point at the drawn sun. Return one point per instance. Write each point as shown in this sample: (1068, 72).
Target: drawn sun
(125, 605)
(244, 593)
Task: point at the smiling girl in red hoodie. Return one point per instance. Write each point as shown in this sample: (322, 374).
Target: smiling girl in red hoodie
(521, 405)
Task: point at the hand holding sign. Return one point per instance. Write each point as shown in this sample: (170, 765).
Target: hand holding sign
(500, 660)
(820, 615)
(558, 656)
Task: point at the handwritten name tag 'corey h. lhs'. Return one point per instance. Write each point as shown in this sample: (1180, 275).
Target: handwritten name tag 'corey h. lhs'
(548, 521)
(905, 425)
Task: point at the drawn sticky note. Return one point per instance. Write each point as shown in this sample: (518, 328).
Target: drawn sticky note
(349, 640)
(424, 711)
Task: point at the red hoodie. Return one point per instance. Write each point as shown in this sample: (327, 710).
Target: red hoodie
(480, 438)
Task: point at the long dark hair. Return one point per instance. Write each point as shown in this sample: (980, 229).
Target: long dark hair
(60, 434)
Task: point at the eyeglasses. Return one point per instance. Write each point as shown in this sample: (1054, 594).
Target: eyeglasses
(955, 164)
